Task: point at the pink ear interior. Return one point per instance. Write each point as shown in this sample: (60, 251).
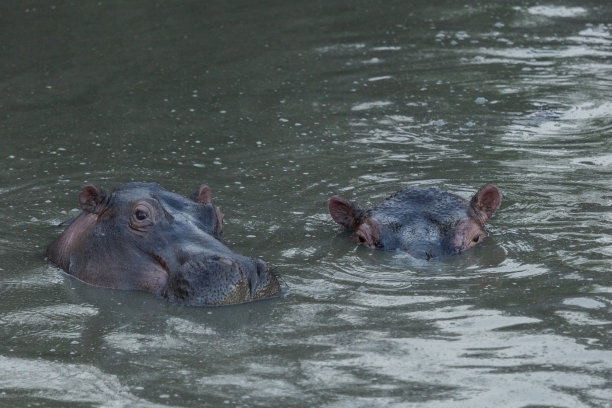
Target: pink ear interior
(343, 211)
(486, 201)
(220, 216)
(89, 197)
(204, 195)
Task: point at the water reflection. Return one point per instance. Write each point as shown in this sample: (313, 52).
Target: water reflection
(48, 381)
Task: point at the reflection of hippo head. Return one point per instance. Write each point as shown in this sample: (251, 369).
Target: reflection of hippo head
(425, 222)
(142, 237)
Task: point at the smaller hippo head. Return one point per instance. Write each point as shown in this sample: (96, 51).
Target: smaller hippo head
(425, 222)
(143, 237)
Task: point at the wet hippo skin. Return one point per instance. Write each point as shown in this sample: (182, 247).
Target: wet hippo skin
(143, 237)
(425, 222)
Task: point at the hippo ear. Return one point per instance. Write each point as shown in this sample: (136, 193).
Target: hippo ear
(204, 195)
(90, 197)
(486, 201)
(344, 212)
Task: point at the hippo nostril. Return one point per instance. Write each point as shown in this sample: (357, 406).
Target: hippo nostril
(261, 269)
(182, 257)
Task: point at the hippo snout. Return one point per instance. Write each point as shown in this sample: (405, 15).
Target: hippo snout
(220, 280)
(263, 282)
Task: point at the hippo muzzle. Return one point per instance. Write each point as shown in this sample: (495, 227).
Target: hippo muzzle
(217, 280)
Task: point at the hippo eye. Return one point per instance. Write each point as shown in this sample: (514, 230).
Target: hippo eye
(141, 217)
(477, 238)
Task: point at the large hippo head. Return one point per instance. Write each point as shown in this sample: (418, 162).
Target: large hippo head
(143, 237)
(425, 222)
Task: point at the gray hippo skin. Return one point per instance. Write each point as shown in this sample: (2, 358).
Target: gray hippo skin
(143, 237)
(425, 222)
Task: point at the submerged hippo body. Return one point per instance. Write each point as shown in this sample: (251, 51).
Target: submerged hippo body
(143, 237)
(425, 222)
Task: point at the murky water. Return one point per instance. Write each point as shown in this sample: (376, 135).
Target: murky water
(277, 106)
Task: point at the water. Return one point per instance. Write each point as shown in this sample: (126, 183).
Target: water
(277, 106)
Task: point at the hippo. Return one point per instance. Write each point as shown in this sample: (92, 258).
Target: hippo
(143, 237)
(424, 222)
